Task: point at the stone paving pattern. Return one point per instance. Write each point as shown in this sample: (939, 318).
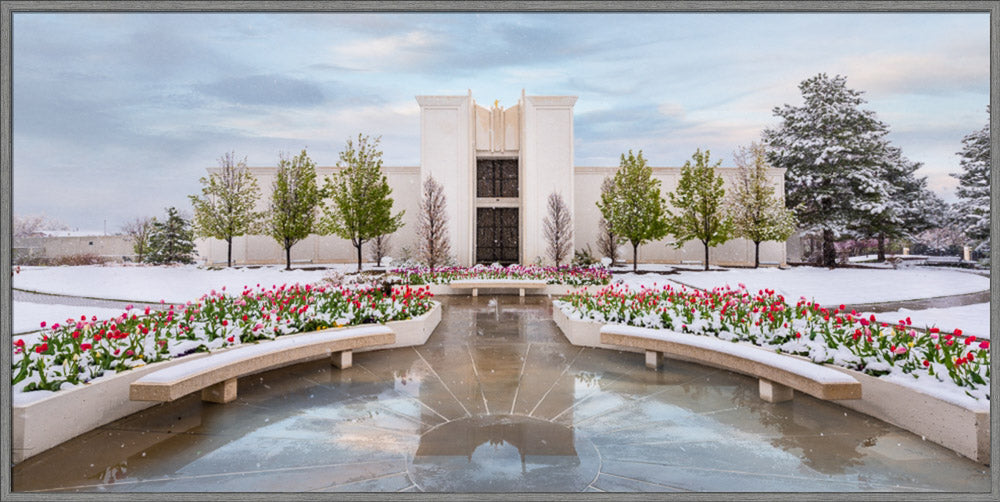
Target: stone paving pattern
(498, 401)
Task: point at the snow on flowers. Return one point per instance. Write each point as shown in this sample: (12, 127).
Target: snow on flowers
(80, 350)
(570, 276)
(805, 328)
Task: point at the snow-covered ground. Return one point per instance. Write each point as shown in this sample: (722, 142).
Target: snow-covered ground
(971, 319)
(830, 287)
(28, 316)
(152, 284)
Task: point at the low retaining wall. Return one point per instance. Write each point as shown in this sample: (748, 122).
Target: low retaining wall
(549, 290)
(959, 428)
(41, 420)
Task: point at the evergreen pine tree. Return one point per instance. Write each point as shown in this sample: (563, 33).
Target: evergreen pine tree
(833, 153)
(171, 240)
(295, 199)
(974, 187)
(698, 201)
(226, 208)
(634, 208)
(757, 214)
(908, 208)
(362, 208)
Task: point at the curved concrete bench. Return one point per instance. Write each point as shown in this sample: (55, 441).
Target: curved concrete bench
(779, 375)
(477, 284)
(216, 374)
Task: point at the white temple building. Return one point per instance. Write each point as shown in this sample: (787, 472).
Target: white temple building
(498, 166)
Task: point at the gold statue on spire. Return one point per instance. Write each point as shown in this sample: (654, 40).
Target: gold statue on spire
(496, 103)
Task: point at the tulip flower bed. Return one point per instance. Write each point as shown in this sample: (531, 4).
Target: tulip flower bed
(823, 335)
(570, 276)
(78, 351)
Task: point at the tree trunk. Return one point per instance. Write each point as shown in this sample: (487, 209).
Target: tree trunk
(288, 257)
(229, 252)
(756, 254)
(360, 243)
(635, 256)
(706, 255)
(881, 247)
(829, 252)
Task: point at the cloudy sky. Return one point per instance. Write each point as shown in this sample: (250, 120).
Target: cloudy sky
(117, 115)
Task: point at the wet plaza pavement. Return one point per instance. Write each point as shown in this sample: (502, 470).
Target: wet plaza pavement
(498, 401)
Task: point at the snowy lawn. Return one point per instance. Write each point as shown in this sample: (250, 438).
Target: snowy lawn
(971, 319)
(28, 316)
(176, 284)
(830, 287)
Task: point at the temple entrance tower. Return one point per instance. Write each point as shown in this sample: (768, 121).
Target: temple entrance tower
(498, 166)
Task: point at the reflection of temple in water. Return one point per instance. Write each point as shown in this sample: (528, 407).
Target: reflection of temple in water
(544, 442)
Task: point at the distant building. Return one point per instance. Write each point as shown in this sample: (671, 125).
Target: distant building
(55, 244)
(498, 166)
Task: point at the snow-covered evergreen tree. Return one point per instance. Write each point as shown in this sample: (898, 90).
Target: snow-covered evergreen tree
(757, 214)
(172, 240)
(834, 154)
(909, 207)
(974, 187)
(226, 208)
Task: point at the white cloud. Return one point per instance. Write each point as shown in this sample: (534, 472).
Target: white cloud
(404, 50)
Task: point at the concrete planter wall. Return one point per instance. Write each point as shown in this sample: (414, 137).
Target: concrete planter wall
(549, 290)
(43, 420)
(959, 428)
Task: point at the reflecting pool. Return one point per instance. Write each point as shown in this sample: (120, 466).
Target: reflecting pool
(498, 401)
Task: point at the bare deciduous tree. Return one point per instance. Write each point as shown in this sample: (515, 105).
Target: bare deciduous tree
(32, 224)
(378, 247)
(434, 242)
(138, 231)
(558, 229)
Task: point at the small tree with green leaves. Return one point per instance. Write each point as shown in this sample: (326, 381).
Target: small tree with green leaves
(362, 208)
(295, 200)
(138, 231)
(171, 240)
(607, 241)
(698, 201)
(633, 207)
(226, 208)
(757, 214)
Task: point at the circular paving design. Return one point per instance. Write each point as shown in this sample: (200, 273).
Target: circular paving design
(498, 401)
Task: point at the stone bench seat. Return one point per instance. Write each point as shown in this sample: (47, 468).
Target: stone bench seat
(216, 374)
(477, 284)
(779, 375)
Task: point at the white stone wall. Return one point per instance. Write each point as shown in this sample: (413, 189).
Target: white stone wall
(546, 166)
(447, 152)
